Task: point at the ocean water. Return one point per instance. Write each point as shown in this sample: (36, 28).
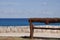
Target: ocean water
(14, 21)
(19, 22)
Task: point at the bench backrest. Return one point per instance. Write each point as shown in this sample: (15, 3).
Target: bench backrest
(45, 20)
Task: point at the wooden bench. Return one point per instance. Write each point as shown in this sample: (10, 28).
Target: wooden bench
(45, 20)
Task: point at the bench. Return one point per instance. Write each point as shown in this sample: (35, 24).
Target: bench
(45, 20)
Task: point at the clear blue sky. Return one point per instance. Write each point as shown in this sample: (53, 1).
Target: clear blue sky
(29, 8)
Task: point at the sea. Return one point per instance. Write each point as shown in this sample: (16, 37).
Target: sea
(20, 22)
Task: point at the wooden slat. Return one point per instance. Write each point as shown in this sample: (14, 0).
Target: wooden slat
(46, 28)
(51, 20)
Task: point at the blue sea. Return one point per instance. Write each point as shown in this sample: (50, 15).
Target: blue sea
(19, 22)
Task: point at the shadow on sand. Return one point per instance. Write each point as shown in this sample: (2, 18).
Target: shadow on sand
(43, 38)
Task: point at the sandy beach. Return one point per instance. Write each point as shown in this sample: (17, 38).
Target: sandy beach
(19, 31)
(26, 29)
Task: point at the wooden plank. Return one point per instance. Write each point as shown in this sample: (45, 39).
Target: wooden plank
(51, 20)
(47, 28)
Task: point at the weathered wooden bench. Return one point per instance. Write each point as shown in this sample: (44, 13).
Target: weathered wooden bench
(45, 20)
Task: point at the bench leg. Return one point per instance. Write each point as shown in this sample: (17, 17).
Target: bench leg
(31, 32)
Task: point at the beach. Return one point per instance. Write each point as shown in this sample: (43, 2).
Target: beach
(19, 31)
(26, 29)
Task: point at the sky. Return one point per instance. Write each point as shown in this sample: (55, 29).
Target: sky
(29, 8)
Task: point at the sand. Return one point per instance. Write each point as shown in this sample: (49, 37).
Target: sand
(26, 29)
(49, 35)
(19, 31)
